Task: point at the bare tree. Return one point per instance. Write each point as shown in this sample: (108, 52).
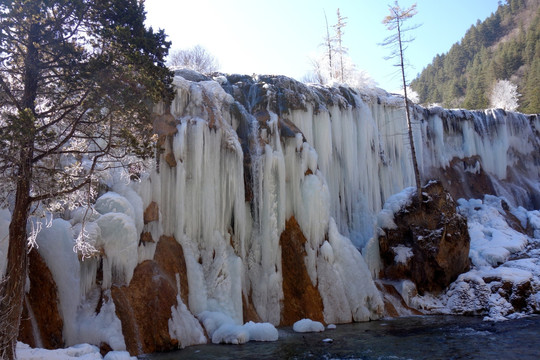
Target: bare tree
(340, 49)
(329, 45)
(395, 23)
(196, 58)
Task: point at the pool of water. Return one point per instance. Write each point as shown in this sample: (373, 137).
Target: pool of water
(420, 337)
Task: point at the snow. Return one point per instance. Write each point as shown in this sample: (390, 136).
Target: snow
(403, 254)
(492, 239)
(102, 327)
(385, 218)
(308, 325)
(223, 330)
(493, 243)
(119, 240)
(184, 327)
(118, 355)
(81, 351)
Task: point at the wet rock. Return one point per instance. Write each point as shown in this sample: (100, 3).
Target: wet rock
(43, 301)
(300, 298)
(430, 245)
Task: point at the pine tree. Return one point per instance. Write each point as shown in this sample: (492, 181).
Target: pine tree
(76, 80)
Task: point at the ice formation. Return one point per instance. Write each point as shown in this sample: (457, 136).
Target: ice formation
(246, 154)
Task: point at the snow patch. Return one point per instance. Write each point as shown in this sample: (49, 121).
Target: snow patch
(223, 330)
(308, 325)
(403, 254)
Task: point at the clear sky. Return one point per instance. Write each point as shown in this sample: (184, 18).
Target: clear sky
(279, 36)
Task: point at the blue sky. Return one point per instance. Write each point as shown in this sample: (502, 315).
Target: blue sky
(279, 36)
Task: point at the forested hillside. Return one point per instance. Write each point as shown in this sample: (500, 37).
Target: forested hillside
(505, 46)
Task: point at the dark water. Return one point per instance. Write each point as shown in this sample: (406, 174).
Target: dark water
(425, 337)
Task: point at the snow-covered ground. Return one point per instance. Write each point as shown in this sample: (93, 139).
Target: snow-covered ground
(504, 280)
(80, 352)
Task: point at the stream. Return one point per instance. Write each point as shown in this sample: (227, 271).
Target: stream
(418, 337)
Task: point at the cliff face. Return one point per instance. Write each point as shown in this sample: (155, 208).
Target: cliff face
(483, 152)
(263, 192)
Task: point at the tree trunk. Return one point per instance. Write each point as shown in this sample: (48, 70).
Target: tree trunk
(409, 122)
(12, 292)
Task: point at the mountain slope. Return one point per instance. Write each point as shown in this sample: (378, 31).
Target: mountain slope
(505, 46)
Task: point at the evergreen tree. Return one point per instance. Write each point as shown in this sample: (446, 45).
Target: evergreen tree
(77, 78)
(504, 46)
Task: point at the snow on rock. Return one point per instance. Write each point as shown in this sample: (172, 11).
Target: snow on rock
(308, 325)
(223, 330)
(403, 254)
(385, 218)
(504, 282)
(427, 244)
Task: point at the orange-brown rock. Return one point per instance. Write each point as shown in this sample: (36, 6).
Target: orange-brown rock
(43, 301)
(144, 308)
(436, 235)
(300, 298)
(164, 125)
(146, 237)
(151, 213)
(170, 160)
(169, 256)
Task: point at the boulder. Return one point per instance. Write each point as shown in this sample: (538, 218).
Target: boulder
(429, 244)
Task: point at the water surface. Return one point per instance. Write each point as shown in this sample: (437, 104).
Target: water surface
(421, 337)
